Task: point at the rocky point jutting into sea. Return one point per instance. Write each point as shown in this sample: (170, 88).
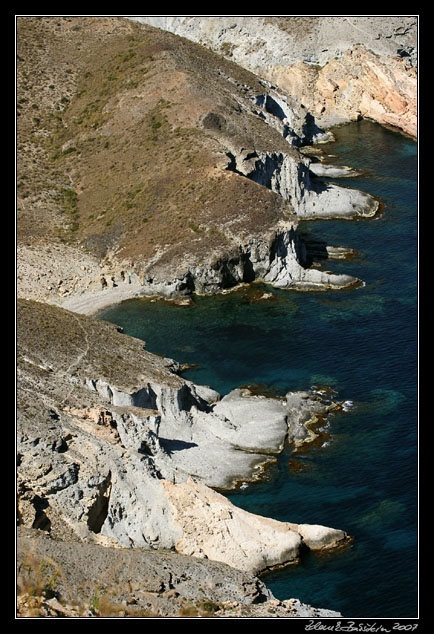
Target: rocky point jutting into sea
(149, 165)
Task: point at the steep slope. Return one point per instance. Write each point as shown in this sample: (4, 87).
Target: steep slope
(340, 67)
(90, 580)
(156, 166)
(115, 447)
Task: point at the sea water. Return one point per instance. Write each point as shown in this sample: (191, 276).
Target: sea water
(362, 473)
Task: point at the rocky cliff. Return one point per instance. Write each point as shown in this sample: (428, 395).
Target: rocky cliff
(151, 165)
(340, 67)
(113, 442)
(116, 449)
(159, 167)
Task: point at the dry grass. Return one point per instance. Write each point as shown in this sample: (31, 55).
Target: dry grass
(37, 586)
(66, 343)
(43, 591)
(37, 578)
(116, 158)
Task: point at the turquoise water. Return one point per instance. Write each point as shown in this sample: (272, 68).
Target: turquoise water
(363, 474)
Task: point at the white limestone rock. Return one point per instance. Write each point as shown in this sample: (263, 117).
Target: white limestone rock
(257, 423)
(95, 462)
(320, 537)
(289, 177)
(212, 527)
(332, 171)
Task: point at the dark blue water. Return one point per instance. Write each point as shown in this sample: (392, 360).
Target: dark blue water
(362, 476)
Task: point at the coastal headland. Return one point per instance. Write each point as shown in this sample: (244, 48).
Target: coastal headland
(149, 165)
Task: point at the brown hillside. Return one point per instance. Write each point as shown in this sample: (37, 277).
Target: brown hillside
(121, 143)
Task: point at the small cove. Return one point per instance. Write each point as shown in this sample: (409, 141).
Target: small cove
(362, 475)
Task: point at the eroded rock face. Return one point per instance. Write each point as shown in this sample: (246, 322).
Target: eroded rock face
(277, 257)
(340, 68)
(357, 85)
(131, 457)
(309, 198)
(215, 529)
(314, 39)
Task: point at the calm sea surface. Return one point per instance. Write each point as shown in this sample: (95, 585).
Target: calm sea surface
(362, 475)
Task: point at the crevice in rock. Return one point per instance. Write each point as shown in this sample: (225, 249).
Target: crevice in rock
(146, 398)
(271, 105)
(98, 512)
(248, 269)
(232, 165)
(41, 520)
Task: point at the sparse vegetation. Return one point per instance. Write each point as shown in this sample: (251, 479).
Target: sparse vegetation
(36, 577)
(45, 587)
(227, 48)
(144, 175)
(59, 334)
(36, 585)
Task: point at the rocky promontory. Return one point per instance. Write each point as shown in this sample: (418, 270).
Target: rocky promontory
(150, 165)
(113, 443)
(160, 168)
(116, 449)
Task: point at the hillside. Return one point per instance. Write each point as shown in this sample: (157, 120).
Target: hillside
(148, 158)
(150, 165)
(342, 68)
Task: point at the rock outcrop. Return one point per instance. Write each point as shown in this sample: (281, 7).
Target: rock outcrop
(265, 40)
(114, 445)
(359, 84)
(279, 259)
(181, 173)
(214, 529)
(310, 198)
(340, 68)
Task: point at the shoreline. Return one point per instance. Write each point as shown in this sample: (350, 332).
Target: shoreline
(167, 443)
(132, 452)
(91, 303)
(78, 298)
